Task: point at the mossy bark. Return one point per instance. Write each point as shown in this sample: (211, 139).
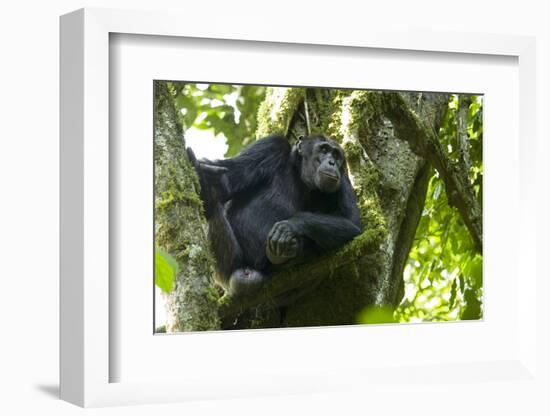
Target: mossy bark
(180, 225)
(423, 139)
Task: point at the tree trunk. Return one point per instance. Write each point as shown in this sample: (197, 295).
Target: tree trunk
(180, 224)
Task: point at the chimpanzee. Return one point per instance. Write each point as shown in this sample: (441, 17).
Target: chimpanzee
(274, 205)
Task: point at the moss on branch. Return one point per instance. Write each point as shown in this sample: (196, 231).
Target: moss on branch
(305, 274)
(277, 110)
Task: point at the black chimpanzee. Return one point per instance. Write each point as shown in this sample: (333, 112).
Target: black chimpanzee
(273, 205)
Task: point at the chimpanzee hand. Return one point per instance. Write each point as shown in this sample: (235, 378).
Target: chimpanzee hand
(213, 180)
(283, 243)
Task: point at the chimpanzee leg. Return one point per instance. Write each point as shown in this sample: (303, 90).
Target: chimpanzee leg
(226, 248)
(215, 191)
(237, 278)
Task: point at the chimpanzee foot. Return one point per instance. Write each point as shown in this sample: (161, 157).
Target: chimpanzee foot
(245, 281)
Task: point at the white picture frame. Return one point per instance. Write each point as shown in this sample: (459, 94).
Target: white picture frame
(85, 354)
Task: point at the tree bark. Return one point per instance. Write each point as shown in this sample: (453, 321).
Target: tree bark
(464, 102)
(180, 225)
(424, 141)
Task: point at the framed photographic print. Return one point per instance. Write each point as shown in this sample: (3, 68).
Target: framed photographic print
(316, 212)
(276, 214)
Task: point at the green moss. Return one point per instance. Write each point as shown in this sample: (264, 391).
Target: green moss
(372, 216)
(278, 108)
(354, 154)
(180, 227)
(167, 198)
(212, 295)
(334, 127)
(337, 300)
(321, 109)
(366, 109)
(358, 110)
(225, 300)
(179, 186)
(366, 182)
(348, 285)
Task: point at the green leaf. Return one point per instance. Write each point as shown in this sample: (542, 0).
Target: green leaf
(166, 269)
(472, 311)
(475, 272)
(453, 295)
(376, 315)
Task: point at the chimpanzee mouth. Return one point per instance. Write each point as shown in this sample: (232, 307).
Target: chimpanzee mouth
(330, 176)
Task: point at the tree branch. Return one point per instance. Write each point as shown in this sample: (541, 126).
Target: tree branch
(407, 231)
(464, 102)
(425, 142)
(303, 275)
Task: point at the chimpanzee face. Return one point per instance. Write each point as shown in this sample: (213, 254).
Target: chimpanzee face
(322, 163)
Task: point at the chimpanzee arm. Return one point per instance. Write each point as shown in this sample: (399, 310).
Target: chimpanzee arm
(328, 231)
(307, 231)
(296, 236)
(255, 165)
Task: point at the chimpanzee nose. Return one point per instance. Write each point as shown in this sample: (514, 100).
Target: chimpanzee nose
(331, 162)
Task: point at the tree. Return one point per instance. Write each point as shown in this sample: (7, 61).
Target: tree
(180, 226)
(392, 144)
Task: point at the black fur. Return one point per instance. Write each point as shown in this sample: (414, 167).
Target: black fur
(273, 205)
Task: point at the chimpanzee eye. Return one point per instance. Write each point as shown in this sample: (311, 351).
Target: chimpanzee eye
(324, 149)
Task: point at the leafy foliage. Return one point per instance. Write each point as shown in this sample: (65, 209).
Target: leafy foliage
(166, 270)
(225, 109)
(443, 276)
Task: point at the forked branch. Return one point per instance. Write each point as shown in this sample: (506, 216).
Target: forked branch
(425, 142)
